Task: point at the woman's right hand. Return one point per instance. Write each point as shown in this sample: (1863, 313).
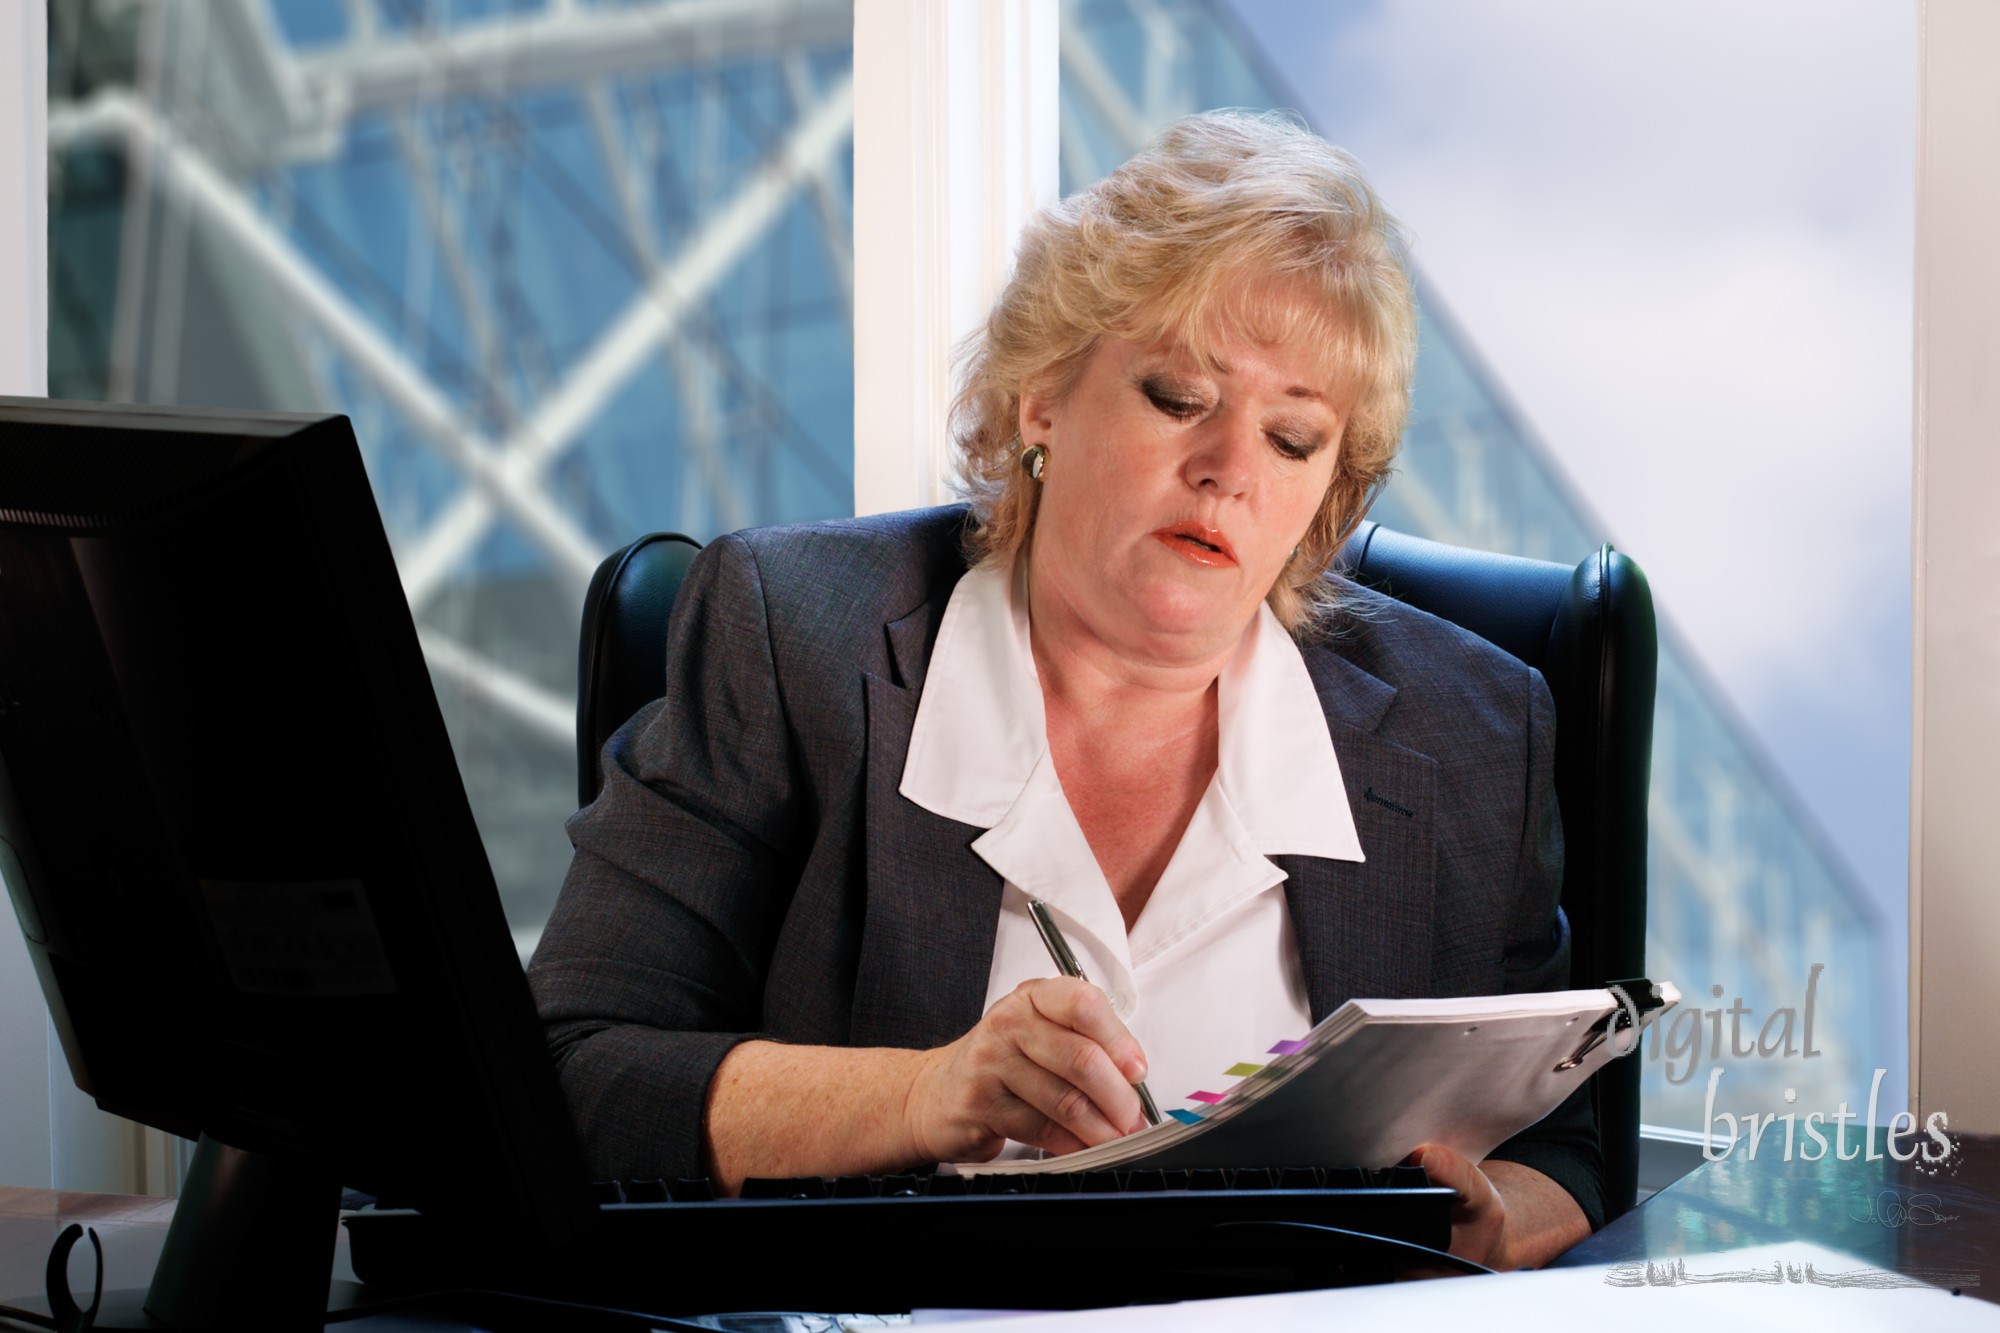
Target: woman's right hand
(1050, 1065)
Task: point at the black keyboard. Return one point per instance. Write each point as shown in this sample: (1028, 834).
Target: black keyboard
(892, 1243)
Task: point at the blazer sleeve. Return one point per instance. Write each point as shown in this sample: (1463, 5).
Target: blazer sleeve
(1563, 1144)
(652, 966)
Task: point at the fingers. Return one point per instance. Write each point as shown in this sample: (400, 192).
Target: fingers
(1081, 1041)
(1067, 1059)
(1444, 1166)
(1072, 1084)
(1083, 1008)
(1455, 1171)
(1479, 1215)
(1024, 1123)
(1049, 1065)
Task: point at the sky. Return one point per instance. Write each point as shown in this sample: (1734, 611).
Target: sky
(1681, 236)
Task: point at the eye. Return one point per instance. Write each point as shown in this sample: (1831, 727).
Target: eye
(1175, 402)
(1296, 449)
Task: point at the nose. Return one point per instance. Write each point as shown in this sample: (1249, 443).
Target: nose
(1225, 455)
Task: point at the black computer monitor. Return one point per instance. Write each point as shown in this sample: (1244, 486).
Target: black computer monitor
(237, 842)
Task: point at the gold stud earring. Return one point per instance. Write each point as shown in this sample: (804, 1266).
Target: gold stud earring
(1033, 459)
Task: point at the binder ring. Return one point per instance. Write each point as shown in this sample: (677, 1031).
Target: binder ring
(1605, 1028)
(1631, 1016)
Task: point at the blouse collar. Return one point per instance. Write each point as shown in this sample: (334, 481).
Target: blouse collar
(981, 734)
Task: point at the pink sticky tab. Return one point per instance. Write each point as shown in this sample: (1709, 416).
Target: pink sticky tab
(1288, 1048)
(1210, 1097)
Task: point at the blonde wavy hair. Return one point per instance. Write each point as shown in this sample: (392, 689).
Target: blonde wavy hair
(1166, 246)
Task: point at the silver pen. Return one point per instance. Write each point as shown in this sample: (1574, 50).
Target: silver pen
(1066, 964)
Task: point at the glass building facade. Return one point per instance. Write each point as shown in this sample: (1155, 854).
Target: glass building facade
(576, 273)
(1744, 891)
(580, 270)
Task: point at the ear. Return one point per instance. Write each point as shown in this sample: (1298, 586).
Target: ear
(1037, 416)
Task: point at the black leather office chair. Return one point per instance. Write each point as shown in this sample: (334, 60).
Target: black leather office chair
(622, 655)
(1588, 630)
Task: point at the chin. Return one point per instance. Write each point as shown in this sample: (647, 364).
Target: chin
(1179, 612)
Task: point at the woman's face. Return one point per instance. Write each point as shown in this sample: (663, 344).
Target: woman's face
(1172, 496)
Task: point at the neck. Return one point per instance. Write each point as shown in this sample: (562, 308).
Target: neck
(1084, 676)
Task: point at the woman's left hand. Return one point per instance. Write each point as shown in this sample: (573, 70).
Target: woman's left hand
(1506, 1215)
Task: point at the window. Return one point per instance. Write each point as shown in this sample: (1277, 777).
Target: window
(576, 271)
(1779, 799)
(581, 270)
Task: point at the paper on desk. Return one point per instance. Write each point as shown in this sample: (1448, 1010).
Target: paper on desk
(1574, 1298)
(1376, 1079)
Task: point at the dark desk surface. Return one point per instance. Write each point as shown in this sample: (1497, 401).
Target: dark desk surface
(1940, 1223)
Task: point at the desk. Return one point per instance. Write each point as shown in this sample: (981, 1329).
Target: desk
(132, 1230)
(1889, 1214)
(1741, 1218)
(1735, 1215)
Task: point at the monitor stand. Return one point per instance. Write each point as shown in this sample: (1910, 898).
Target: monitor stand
(250, 1247)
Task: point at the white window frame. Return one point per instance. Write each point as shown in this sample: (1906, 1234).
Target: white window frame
(955, 121)
(1955, 557)
(24, 223)
(28, 1051)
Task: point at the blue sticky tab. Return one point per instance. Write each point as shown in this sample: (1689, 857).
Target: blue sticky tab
(1186, 1117)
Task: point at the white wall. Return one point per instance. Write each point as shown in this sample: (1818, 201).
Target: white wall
(25, 1157)
(24, 222)
(1955, 770)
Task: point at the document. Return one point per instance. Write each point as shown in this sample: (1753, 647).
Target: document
(1378, 1078)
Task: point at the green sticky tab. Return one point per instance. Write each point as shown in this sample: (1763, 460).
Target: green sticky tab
(1241, 1070)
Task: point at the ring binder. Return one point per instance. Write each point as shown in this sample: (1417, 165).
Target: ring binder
(1377, 1078)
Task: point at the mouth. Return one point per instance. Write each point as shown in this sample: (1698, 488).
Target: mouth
(1198, 543)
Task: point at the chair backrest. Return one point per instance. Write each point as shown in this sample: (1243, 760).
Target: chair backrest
(622, 653)
(1589, 630)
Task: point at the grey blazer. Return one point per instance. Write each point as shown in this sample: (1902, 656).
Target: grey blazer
(750, 869)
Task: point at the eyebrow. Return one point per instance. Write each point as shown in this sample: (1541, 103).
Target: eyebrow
(1295, 391)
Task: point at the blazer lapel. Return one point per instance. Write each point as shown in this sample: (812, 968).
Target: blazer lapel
(932, 905)
(1364, 928)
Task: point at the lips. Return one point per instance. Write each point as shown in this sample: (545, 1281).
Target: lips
(1198, 544)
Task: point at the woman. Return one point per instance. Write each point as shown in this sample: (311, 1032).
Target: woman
(794, 939)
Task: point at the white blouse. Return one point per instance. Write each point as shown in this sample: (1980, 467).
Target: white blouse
(1209, 975)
